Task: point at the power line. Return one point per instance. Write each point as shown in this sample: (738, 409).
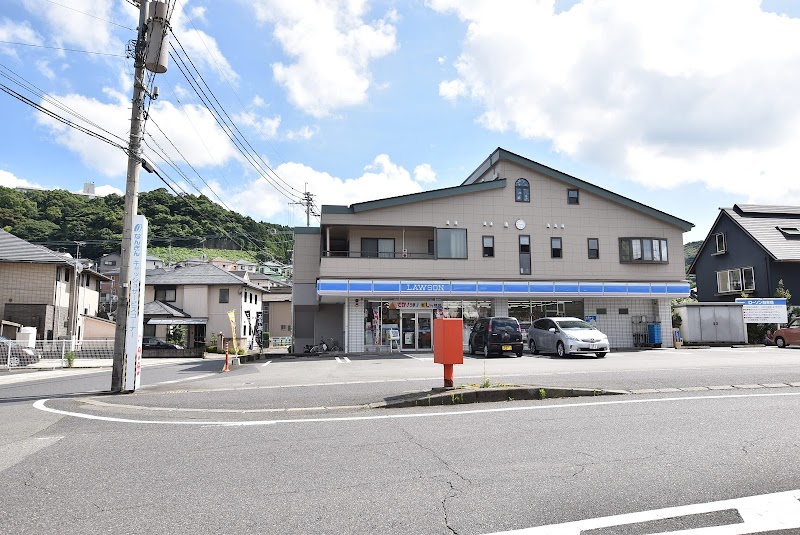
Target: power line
(90, 15)
(64, 49)
(285, 188)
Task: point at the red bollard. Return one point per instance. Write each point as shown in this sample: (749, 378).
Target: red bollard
(448, 375)
(227, 367)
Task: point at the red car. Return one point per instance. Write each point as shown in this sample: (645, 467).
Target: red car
(788, 335)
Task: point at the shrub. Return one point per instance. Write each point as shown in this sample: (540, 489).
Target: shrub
(70, 356)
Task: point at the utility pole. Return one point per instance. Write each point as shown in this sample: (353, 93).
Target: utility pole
(143, 58)
(308, 202)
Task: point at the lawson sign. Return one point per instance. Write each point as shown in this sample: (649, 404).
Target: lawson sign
(763, 310)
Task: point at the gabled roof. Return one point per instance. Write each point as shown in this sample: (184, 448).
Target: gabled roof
(200, 274)
(536, 167)
(410, 198)
(764, 223)
(474, 183)
(768, 226)
(14, 249)
(160, 308)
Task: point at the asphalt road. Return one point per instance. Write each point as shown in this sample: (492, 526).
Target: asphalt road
(288, 447)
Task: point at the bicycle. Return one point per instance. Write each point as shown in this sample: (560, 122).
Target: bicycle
(334, 345)
(321, 347)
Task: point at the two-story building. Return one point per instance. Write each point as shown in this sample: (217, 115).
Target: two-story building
(205, 299)
(749, 249)
(50, 291)
(515, 238)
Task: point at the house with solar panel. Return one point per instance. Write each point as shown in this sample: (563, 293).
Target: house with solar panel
(516, 238)
(749, 250)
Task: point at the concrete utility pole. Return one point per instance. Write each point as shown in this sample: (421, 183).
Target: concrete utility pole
(143, 58)
(308, 202)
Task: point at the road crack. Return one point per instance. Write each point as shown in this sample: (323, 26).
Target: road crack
(454, 490)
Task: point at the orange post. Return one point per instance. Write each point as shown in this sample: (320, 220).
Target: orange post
(227, 367)
(448, 345)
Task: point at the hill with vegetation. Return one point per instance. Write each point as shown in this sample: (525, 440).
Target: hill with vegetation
(59, 220)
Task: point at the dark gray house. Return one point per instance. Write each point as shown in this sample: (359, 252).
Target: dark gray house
(749, 249)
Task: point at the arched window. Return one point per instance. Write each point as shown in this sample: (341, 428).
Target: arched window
(522, 191)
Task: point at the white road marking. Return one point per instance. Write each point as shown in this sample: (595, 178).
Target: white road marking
(41, 405)
(766, 512)
(346, 359)
(342, 360)
(192, 378)
(266, 363)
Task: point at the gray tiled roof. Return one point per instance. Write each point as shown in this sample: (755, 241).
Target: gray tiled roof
(13, 249)
(160, 308)
(201, 274)
(762, 223)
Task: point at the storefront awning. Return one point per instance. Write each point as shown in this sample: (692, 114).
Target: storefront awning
(177, 321)
(510, 289)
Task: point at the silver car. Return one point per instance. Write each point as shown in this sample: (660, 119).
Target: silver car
(566, 336)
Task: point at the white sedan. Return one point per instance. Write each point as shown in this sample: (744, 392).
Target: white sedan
(566, 336)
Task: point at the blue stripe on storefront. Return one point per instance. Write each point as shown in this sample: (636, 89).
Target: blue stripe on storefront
(515, 288)
(386, 286)
(360, 286)
(490, 287)
(464, 287)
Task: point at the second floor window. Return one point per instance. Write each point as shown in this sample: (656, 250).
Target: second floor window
(377, 247)
(165, 294)
(524, 255)
(451, 243)
(488, 246)
(224, 295)
(719, 239)
(555, 248)
(522, 191)
(643, 250)
(572, 196)
(594, 248)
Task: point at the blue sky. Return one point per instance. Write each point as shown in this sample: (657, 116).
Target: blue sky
(682, 105)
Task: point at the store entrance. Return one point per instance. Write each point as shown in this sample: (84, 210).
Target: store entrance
(416, 331)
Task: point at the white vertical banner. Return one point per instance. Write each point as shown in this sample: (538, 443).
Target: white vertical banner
(134, 327)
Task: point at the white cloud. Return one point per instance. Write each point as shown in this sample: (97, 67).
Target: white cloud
(261, 201)
(9, 180)
(192, 129)
(73, 28)
(331, 46)
(424, 173)
(666, 92)
(198, 14)
(199, 45)
(305, 133)
(17, 32)
(265, 127)
(43, 66)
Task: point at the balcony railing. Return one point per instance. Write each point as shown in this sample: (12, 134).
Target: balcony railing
(373, 254)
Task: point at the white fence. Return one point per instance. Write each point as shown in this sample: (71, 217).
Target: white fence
(52, 353)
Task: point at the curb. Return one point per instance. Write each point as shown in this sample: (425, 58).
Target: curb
(464, 395)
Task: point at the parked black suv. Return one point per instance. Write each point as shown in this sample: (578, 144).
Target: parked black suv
(496, 335)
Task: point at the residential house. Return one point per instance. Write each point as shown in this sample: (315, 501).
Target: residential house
(749, 249)
(515, 238)
(276, 306)
(205, 299)
(109, 265)
(50, 291)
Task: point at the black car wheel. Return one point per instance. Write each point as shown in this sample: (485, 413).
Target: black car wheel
(780, 342)
(486, 352)
(471, 349)
(560, 349)
(532, 346)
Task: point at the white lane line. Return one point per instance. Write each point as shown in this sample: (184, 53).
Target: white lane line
(266, 363)
(192, 378)
(40, 404)
(766, 512)
(342, 360)
(338, 360)
(346, 359)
